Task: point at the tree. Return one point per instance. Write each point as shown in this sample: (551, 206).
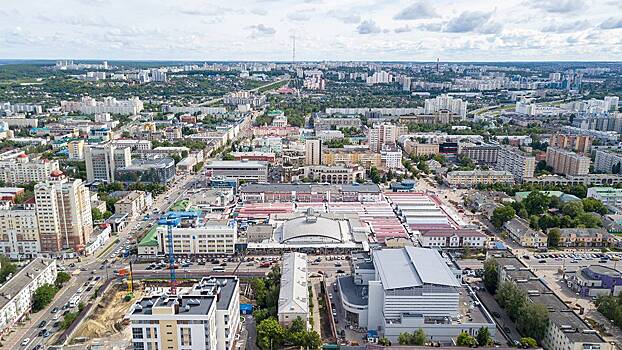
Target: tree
(536, 203)
(404, 338)
(483, 337)
(61, 278)
(502, 215)
(510, 297)
(593, 205)
(528, 342)
(384, 341)
(6, 268)
(533, 320)
(588, 220)
(96, 214)
(43, 296)
(419, 337)
(270, 334)
(464, 339)
(374, 175)
(491, 275)
(553, 237)
(573, 209)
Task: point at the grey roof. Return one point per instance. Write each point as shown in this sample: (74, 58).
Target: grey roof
(226, 284)
(303, 227)
(236, 164)
(412, 267)
(308, 187)
(294, 296)
(188, 304)
(22, 278)
(604, 270)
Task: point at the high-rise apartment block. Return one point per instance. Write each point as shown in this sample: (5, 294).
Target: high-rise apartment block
(567, 162)
(23, 170)
(103, 160)
(579, 143)
(75, 150)
(63, 209)
(608, 161)
(446, 102)
(384, 134)
(20, 233)
(521, 164)
(480, 153)
(313, 152)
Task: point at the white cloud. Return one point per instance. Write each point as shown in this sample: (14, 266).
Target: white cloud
(418, 10)
(260, 30)
(565, 27)
(404, 29)
(559, 6)
(368, 27)
(611, 23)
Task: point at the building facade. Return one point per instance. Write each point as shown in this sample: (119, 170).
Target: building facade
(517, 162)
(477, 177)
(567, 162)
(103, 160)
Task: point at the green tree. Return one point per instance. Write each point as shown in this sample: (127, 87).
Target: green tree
(96, 214)
(573, 209)
(405, 338)
(483, 337)
(533, 320)
(536, 203)
(374, 175)
(593, 205)
(502, 215)
(6, 268)
(61, 278)
(464, 339)
(588, 220)
(43, 296)
(528, 342)
(68, 320)
(384, 341)
(270, 334)
(510, 297)
(419, 337)
(491, 275)
(553, 237)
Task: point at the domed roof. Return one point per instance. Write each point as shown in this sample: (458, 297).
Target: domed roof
(56, 173)
(312, 228)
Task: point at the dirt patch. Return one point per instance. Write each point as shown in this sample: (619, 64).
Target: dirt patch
(107, 318)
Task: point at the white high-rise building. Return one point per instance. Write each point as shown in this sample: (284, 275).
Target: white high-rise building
(63, 209)
(383, 134)
(380, 77)
(102, 161)
(446, 102)
(23, 170)
(89, 105)
(517, 162)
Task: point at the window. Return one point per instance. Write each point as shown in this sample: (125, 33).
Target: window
(139, 346)
(137, 333)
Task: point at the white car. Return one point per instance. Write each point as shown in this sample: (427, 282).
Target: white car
(25, 341)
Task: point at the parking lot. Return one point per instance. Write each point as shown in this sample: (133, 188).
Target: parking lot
(565, 260)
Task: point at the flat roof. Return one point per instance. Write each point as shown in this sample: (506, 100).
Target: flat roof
(294, 296)
(21, 279)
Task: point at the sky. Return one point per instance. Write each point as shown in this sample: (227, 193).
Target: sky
(263, 30)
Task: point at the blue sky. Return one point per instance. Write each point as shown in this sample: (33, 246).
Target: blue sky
(423, 30)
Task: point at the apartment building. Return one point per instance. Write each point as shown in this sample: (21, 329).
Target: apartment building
(350, 156)
(132, 204)
(89, 105)
(480, 153)
(75, 150)
(517, 162)
(294, 293)
(250, 171)
(215, 237)
(416, 149)
(23, 170)
(103, 160)
(608, 161)
(567, 162)
(478, 177)
(449, 238)
(577, 143)
(19, 233)
(329, 123)
(63, 210)
(134, 145)
(384, 134)
(522, 234)
(313, 152)
(446, 102)
(18, 291)
(608, 195)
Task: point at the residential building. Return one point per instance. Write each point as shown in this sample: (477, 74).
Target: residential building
(567, 162)
(134, 145)
(250, 171)
(23, 170)
(521, 233)
(336, 174)
(322, 122)
(577, 143)
(215, 237)
(384, 134)
(584, 237)
(449, 238)
(476, 177)
(17, 293)
(154, 170)
(595, 280)
(517, 162)
(313, 152)
(608, 161)
(63, 209)
(608, 195)
(103, 160)
(416, 149)
(588, 180)
(19, 233)
(480, 153)
(294, 293)
(75, 150)
(89, 105)
(391, 157)
(132, 204)
(446, 102)
(351, 156)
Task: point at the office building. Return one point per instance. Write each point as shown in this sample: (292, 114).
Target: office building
(478, 177)
(351, 156)
(384, 134)
(17, 293)
(450, 238)
(294, 293)
(153, 170)
(608, 195)
(336, 174)
(414, 148)
(63, 209)
(23, 170)
(215, 237)
(132, 204)
(75, 150)
(567, 162)
(391, 157)
(577, 143)
(608, 161)
(325, 122)
(249, 171)
(445, 102)
(309, 192)
(517, 162)
(103, 160)
(134, 145)
(313, 152)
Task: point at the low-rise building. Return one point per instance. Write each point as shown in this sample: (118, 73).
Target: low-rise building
(594, 281)
(351, 156)
(478, 177)
(608, 195)
(18, 291)
(414, 148)
(294, 293)
(335, 174)
(521, 233)
(249, 171)
(584, 237)
(215, 237)
(158, 170)
(440, 238)
(312, 192)
(132, 204)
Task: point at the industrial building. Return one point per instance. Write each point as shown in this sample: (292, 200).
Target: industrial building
(294, 293)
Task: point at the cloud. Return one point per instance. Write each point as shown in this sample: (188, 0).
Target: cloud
(300, 15)
(565, 27)
(611, 23)
(208, 11)
(351, 19)
(404, 29)
(368, 27)
(259, 12)
(418, 10)
(558, 6)
(473, 21)
(261, 30)
(431, 27)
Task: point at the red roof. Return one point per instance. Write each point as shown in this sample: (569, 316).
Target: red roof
(23, 155)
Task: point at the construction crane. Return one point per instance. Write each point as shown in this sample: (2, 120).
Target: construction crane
(170, 221)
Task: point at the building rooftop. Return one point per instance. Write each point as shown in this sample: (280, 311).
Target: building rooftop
(294, 296)
(22, 278)
(234, 164)
(150, 239)
(224, 286)
(190, 305)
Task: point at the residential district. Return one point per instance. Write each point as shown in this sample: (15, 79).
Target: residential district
(235, 206)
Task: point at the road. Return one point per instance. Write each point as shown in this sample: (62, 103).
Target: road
(90, 267)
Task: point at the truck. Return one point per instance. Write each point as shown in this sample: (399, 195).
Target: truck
(73, 302)
(122, 272)
(265, 264)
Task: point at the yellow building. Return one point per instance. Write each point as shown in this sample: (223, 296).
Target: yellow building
(349, 156)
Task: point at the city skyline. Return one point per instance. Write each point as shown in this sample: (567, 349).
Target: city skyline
(262, 30)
